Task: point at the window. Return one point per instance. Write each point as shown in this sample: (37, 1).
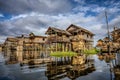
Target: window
(67, 36)
(82, 33)
(87, 35)
(60, 35)
(43, 39)
(90, 36)
(75, 33)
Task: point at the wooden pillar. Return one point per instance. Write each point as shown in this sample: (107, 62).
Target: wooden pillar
(63, 47)
(35, 51)
(69, 47)
(20, 53)
(56, 46)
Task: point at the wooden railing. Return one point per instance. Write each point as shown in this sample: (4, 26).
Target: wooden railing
(58, 39)
(80, 37)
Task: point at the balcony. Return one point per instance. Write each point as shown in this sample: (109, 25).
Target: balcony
(58, 39)
(81, 37)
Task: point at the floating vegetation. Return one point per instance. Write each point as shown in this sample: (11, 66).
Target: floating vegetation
(63, 54)
(92, 51)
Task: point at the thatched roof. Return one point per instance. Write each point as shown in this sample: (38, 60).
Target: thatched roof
(57, 31)
(77, 29)
(117, 30)
(31, 35)
(100, 40)
(106, 39)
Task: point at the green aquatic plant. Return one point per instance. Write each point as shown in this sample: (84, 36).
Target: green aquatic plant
(91, 51)
(63, 54)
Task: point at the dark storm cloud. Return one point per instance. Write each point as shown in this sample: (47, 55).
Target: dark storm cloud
(24, 25)
(6, 31)
(41, 6)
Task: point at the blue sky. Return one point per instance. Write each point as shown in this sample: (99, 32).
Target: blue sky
(24, 16)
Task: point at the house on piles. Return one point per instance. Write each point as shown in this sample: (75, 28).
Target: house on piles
(115, 34)
(31, 47)
(25, 47)
(10, 48)
(113, 42)
(1, 47)
(58, 40)
(74, 38)
(81, 39)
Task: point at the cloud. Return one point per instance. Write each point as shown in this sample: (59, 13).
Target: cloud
(38, 23)
(37, 15)
(2, 39)
(1, 15)
(113, 23)
(42, 6)
(80, 1)
(21, 25)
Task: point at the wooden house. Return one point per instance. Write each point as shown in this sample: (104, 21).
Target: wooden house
(81, 38)
(113, 42)
(116, 38)
(58, 39)
(104, 44)
(25, 47)
(99, 43)
(1, 47)
(31, 47)
(10, 46)
(74, 38)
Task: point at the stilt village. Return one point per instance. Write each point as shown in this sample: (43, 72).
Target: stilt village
(74, 38)
(113, 41)
(68, 49)
(21, 48)
(59, 39)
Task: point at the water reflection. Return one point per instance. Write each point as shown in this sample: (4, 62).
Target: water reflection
(12, 57)
(33, 68)
(116, 68)
(113, 60)
(60, 71)
(107, 57)
(80, 70)
(93, 69)
(31, 57)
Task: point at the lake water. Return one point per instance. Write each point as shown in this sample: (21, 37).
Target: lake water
(16, 72)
